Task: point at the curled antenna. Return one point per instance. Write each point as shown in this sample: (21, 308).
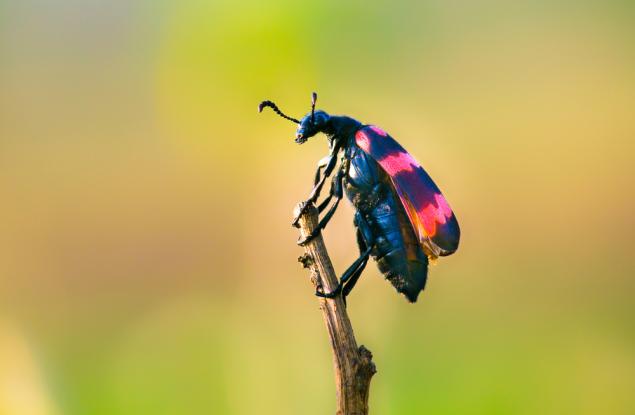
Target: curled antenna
(313, 99)
(274, 107)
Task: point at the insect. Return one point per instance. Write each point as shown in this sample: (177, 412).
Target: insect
(402, 219)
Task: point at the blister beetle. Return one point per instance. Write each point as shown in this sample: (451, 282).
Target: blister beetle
(402, 219)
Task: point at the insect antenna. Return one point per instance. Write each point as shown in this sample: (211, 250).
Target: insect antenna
(313, 99)
(274, 107)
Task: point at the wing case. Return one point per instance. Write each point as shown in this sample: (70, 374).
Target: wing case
(431, 217)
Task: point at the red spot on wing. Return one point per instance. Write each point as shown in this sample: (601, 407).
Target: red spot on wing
(432, 215)
(378, 130)
(362, 140)
(398, 163)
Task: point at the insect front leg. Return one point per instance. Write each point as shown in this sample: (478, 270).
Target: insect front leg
(321, 164)
(317, 188)
(337, 190)
(331, 162)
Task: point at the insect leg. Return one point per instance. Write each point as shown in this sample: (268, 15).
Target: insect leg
(344, 168)
(352, 280)
(317, 188)
(326, 201)
(337, 190)
(352, 274)
(321, 164)
(332, 162)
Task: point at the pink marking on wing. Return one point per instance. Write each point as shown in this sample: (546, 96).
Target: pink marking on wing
(362, 140)
(431, 214)
(398, 162)
(378, 130)
(444, 208)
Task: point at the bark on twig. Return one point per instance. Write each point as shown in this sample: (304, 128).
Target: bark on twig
(354, 367)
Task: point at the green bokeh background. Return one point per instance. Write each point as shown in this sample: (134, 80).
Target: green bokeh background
(147, 265)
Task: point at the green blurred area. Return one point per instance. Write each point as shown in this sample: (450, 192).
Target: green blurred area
(147, 265)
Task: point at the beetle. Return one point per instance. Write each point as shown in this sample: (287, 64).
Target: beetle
(402, 219)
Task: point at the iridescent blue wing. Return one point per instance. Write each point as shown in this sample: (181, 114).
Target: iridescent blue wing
(430, 215)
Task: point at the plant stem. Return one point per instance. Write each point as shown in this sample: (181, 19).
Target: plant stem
(353, 365)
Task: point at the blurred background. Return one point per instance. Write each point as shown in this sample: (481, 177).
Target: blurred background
(147, 264)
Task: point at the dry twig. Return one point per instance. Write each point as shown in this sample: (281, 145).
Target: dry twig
(354, 367)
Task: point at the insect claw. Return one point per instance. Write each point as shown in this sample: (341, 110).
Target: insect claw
(332, 294)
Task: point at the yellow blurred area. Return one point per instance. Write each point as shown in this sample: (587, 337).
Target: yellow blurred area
(147, 265)
(21, 390)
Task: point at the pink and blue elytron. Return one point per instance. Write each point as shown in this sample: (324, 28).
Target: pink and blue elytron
(402, 219)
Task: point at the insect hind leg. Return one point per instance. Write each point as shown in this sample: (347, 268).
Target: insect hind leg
(354, 276)
(351, 275)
